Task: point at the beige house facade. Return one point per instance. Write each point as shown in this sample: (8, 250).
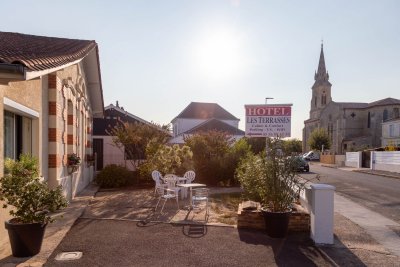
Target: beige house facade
(351, 126)
(391, 132)
(50, 91)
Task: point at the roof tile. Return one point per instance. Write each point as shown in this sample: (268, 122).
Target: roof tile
(40, 52)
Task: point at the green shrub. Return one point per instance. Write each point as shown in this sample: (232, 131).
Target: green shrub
(216, 156)
(32, 201)
(167, 159)
(113, 176)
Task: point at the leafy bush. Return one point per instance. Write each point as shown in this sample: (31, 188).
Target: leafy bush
(32, 199)
(270, 179)
(113, 176)
(167, 159)
(216, 156)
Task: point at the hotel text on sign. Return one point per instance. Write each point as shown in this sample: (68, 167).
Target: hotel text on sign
(268, 120)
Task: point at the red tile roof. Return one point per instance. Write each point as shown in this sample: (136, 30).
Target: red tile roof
(40, 52)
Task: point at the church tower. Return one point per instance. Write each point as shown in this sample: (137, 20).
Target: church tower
(321, 90)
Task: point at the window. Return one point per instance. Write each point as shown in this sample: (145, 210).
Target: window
(17, 135)
(391, 130)
(385, 115)
(323, 99)
(315, 101)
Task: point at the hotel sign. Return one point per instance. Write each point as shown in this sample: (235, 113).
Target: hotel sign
(268, 120)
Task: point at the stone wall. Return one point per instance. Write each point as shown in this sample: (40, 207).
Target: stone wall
(299, 219)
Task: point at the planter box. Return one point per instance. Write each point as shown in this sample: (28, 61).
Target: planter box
(253, 219)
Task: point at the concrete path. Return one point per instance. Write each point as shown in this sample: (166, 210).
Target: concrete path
(375, 224)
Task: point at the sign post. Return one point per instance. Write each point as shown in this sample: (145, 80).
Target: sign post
(272, 120)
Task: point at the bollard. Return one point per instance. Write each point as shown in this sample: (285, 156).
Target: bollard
(322, 213)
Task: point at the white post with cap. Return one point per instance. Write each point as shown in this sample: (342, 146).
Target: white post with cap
(322, 213)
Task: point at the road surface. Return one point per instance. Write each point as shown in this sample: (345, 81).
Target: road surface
(377, 193)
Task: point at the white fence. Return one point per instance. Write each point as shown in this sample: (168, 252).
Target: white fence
(353, 159)
(385, 161)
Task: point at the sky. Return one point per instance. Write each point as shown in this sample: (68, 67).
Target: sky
(158, 56)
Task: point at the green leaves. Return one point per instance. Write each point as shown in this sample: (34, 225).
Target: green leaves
(318, 138)
(21, 188)
(270, 179)
(167, 159)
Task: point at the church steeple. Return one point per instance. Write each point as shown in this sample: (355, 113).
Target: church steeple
(321, 75)
(321, 90)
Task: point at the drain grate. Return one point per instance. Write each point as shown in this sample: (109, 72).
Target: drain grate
(69, 256)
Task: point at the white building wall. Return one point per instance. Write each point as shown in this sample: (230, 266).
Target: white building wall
(112, 154)
(391, 133)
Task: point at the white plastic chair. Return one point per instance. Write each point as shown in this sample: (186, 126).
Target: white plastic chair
(170, 192)
(189, 175)
(157, 177)
(199, 196)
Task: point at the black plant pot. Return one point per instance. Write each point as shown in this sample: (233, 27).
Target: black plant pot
(25, 239)
(276, 223)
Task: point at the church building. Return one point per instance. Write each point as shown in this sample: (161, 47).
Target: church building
(351, 126)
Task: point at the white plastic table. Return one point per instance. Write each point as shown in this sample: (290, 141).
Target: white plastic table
(191, 186)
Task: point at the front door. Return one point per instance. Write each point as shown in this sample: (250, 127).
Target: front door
(98, 150)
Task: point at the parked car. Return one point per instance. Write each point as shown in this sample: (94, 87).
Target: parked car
(311, 155)
(300, 164)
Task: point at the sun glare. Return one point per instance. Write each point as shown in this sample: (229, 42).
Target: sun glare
(219, 54)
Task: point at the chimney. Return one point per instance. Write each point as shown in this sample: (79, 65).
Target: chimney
(117, 104)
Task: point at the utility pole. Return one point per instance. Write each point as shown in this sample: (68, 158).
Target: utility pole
(266, 138)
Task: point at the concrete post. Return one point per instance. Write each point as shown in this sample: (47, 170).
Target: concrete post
(372, 165)
(359, 165)
(322, 213)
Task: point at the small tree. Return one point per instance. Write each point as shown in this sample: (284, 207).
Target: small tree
(318, 138)
(133, 138)
(257, 144)
(292, 146)
(167, 159)
(215, 156)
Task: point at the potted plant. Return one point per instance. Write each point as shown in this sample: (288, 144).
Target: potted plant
(73, 162)
(271, 179)
(32, 203)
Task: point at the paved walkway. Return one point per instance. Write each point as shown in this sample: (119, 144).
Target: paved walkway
(379, 227)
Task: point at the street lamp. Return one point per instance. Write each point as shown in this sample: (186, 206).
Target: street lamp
(266, 99)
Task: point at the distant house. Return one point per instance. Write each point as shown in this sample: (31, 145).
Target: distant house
(103, 146)
(391, 132)
(50, 90)
(198, 117)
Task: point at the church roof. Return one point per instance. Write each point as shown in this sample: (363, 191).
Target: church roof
(198, 110)
(354, 105)
(383, 102)
(40, 52)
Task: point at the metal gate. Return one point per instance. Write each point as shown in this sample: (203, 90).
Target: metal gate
(366, 159)
(98, 150)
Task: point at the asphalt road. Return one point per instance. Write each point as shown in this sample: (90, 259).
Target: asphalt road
(377, 193)
(129, 243)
